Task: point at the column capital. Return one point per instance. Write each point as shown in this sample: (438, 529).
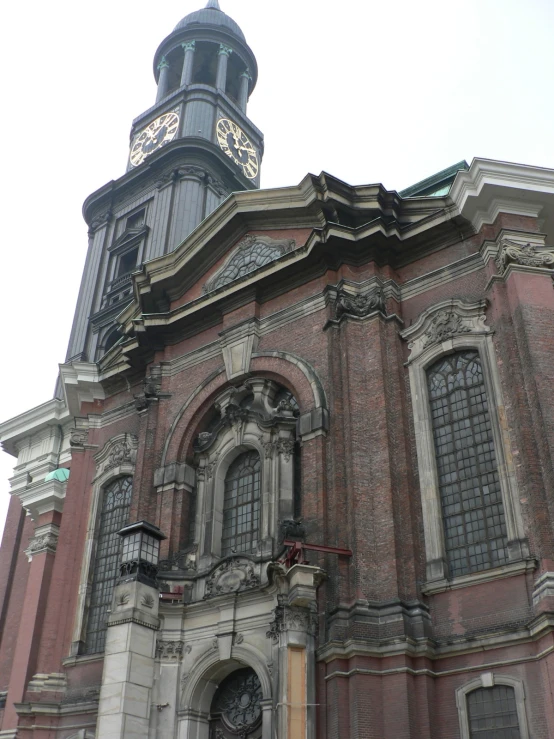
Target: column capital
(246, 74)
(163, 63)
(188, 46)
(225, 50)
(44, 540)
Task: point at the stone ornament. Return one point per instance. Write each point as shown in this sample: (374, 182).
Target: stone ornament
(445, 325)
(147, 601)
(292, 618)
(122, 449)
(252, 253)
(233, 575)
(78, 438)
(529, 255)
(359, 305)
(169, 651)
(284, 447)
(47, 542)
(444, 322)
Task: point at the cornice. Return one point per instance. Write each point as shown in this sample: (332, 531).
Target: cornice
(52, 413)
(489, 187)
(187, 150)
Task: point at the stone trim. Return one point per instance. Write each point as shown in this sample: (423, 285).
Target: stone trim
(428, 649)
(477, 578)
(447, 327)
(543, 588)
(487, 680)
(115, 459)
(45, 540)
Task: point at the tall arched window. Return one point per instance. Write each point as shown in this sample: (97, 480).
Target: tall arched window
(469, 485)
(492, 713)
(241, 505)
(114, 515)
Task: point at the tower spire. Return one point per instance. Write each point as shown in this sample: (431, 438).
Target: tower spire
(213, 4)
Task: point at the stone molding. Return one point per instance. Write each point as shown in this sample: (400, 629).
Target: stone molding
(528, 255)
(233, 575)
(237, 346)
(169, 650)
(543, 588)
(45, 497)
(80, 384)
(444, 321)
(488, 680)
(50, 682)
(359, 304)
(119, 450)
(45, 540)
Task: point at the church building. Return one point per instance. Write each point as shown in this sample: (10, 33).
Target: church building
(297, 481)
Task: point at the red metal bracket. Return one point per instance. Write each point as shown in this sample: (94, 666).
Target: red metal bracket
(295, 554)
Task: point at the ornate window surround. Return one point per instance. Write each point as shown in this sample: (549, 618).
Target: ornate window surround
(488, 680)
(116, 459)
(447, 327)
(263, 428)
(249, 249)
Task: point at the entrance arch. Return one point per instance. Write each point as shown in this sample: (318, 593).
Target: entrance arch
(203, 682)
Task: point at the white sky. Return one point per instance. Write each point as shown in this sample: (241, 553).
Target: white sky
(387, 92)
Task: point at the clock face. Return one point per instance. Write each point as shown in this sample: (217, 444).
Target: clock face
(159, 132)
(237, 146)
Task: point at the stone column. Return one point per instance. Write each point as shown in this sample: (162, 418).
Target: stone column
(223, 57)
(188, 61)
(163, 79)
(245, 79)
(128, 677)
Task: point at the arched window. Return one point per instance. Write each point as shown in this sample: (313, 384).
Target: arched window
(241, 505)
(236, 706)
(468, 479)
(114, 515)
(492, 713)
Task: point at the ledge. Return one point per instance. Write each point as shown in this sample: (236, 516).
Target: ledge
(477, 578)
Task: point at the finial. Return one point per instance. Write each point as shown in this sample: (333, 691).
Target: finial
(213, 4)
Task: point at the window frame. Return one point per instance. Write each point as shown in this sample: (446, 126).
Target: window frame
(489, 680)
(106, 473)
(275, 446)
(472, 334)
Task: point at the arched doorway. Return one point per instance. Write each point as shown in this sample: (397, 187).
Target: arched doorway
(236, 710)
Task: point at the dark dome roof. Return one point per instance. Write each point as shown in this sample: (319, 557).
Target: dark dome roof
(211, 17)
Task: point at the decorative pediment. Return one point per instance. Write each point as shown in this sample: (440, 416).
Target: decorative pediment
(528, 255)
(443, 322)
(128, 237)
(252, 253)
(233, 575)
(120, 450)
(257, 400)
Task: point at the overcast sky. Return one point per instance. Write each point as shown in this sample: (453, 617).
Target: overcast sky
(387, 92)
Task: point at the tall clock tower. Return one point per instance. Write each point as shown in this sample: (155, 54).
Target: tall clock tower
(187, 153)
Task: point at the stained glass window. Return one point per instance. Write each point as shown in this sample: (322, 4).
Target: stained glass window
(469, 485)
(241, 505)
(114, 515)
(492, 713)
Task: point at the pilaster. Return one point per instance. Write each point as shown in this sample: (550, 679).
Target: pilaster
(128, 677)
